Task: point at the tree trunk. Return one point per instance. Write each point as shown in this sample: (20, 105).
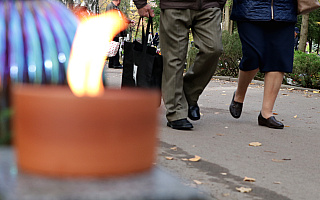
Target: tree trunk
(226, 18)
(231, 27)
(304, 33)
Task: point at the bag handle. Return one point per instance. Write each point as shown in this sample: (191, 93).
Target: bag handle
(145, 39)
(140, 20)
(145, 34)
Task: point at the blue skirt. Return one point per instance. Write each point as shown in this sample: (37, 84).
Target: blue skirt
(267, 45)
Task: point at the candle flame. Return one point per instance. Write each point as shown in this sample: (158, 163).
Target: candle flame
(89, 50)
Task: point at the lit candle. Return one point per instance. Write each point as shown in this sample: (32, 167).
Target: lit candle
(61, 134)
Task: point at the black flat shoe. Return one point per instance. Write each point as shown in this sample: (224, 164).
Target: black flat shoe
(271, 122)
(194, 112)
(180, 124)
(235, 108)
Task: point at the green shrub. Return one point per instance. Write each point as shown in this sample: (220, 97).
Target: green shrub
(231, 56)
(306, 70)
(5, 131)
(191, 55)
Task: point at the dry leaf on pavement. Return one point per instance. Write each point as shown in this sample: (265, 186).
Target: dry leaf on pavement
(184, 159)
(174, 148)
(275, 160)
(169, 158)
(197, 182)
(224, 174)
(243, 189)
(295, 116)
(255, 144)
(249, 179)
(195, 159)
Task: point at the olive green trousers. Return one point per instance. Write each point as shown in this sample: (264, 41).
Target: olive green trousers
(178, 89)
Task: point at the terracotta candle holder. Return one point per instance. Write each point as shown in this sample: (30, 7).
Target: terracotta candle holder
(59, 134)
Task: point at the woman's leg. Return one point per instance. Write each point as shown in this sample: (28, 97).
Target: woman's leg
(245, 78)
(272, 84)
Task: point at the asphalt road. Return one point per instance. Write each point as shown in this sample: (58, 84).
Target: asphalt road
(285, 166)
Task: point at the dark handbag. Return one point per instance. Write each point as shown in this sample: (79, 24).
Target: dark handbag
(306, 6)
(142, 65)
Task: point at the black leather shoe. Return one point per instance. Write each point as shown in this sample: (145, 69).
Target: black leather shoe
(194, 112)
(180, 124)
(235, 108)
(271, 122)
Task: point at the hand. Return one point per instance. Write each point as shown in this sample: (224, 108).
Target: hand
(146, 11)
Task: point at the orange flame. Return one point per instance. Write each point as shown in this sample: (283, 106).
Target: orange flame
(88, 53)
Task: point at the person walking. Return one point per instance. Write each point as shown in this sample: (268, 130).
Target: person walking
(114, 61)
(181, 92)
(155, 40)
(296, 38)
(266, 30)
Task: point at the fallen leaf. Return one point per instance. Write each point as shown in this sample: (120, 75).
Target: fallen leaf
(224, 174)
(275, 113)
(285, 94)
(197, 182)
(251, 83)
(275, 160)
(295, 116)
(286, 126)
(219, 134)
(276, 182)
(174, 148)
(243, 189)
(169, 158)
(249, 179)
(316, 92)
(195, 159)
(184, 159)
(290, 89)
(286, 159)
(255, 144)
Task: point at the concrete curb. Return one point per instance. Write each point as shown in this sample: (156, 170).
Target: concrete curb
(229, 78)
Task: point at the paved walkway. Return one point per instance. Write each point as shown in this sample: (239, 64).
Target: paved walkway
(285, 166)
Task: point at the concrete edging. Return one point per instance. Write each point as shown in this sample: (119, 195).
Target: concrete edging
(229, 78)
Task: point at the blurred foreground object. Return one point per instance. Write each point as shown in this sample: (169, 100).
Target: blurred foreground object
(62, 135)
(35, 43)
(85, 130)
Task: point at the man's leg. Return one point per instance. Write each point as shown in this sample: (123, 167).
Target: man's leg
(174, 38)
(207, 38)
